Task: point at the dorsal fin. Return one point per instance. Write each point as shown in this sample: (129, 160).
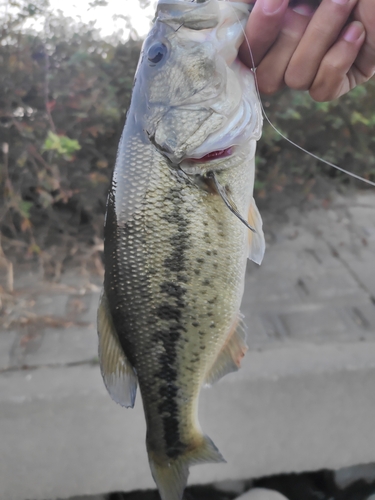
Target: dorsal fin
(118, 374)
(229, 358)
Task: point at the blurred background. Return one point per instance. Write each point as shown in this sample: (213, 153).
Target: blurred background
(66, 74)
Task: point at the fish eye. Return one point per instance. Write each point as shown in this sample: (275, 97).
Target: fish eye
(157, 52)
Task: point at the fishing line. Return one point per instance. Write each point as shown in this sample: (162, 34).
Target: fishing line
(333, 165)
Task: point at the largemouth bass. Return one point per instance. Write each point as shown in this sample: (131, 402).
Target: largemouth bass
(181, 222)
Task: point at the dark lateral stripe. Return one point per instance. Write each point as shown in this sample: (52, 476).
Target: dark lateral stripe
(171, 311)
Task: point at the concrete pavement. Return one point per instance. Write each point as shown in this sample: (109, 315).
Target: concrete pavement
(303, 400)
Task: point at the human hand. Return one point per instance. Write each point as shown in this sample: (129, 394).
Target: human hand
(327, 49)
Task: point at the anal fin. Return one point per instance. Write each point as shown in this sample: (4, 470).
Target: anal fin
(118, 374)
(229, 358)
(257, 244)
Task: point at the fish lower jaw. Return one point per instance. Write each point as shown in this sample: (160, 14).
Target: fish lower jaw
(240, 128)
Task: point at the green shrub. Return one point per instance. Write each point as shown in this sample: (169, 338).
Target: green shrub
(63, 101)
(340, 131)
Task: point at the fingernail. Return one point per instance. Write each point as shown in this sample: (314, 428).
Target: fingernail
(271, 6)
(304, 10)
(353, 32)
(341, 2)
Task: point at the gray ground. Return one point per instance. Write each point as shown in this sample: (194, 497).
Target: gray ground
(303, 401)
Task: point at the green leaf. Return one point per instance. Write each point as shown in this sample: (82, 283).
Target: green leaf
(61, 144)
(24, 208)
(359, 118)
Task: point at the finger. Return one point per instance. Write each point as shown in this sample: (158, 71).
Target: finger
(262, 29)
(271, 70)
(322, 32)
(337, 75)
(365, 62)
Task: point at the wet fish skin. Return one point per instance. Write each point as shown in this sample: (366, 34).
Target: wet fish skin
(175, 256)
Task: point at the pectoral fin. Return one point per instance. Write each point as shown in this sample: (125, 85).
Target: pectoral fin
(257, 244)
(227, 199)
(229, 358)
(118, 374)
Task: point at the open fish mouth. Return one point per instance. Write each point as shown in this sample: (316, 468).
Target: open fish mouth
(214, 155)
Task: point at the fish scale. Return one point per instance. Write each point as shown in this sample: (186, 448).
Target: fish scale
(175, 256)
(151, 261)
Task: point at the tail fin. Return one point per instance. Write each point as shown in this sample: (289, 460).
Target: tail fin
(171, 476)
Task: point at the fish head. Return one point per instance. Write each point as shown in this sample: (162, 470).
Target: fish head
(192, 92)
